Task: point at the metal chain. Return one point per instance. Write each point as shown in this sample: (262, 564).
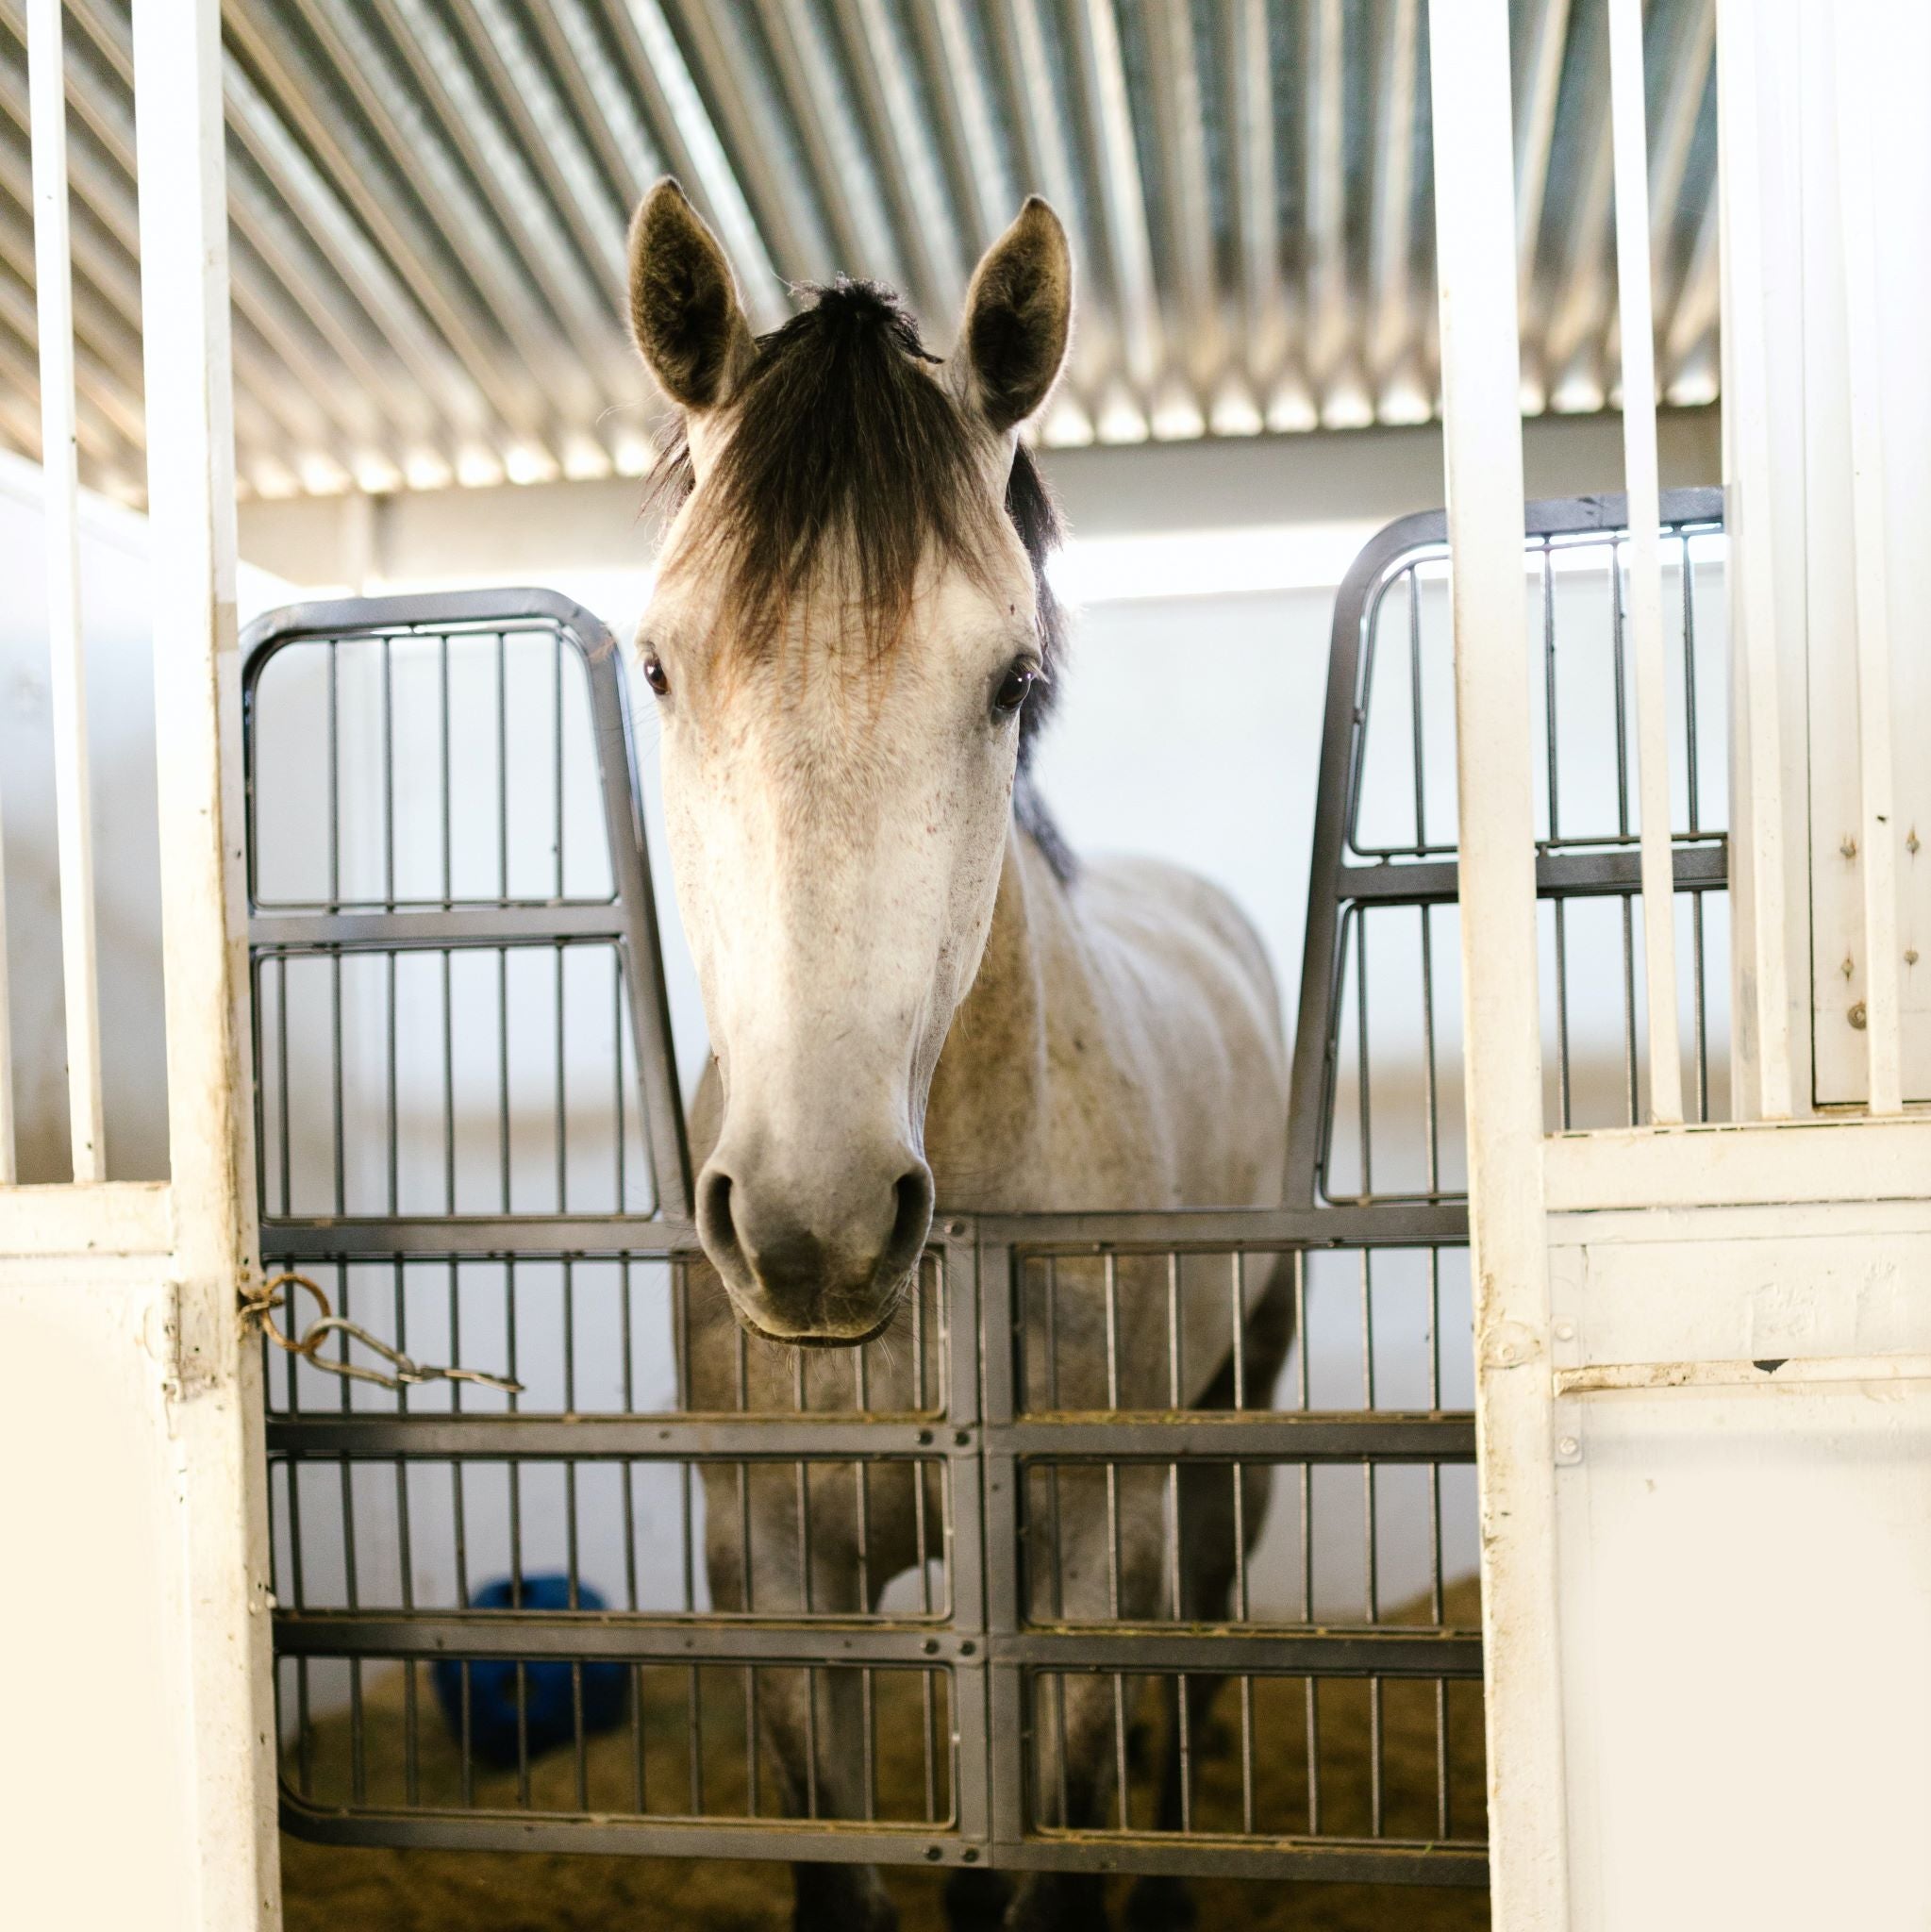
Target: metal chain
(405, 1374)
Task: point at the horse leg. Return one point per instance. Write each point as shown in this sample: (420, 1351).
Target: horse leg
(810, 1721)
(1213, 1535)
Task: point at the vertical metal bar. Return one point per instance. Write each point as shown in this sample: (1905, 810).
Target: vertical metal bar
(1361, 1056)
(1550, 699)
(650, 1011)
(1689, 576)
(54, 293)
(10, 1168)
(1761, 962)
(1431, 1090)
(561, 1097)
(1558, 909)
(283, 1156)
(1481, 369)
(1700, 1010)
(1630, 141)
(1629, 1054)
(1415, 709)
(1858, 209)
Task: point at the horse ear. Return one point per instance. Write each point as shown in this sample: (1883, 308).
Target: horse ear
(685, 314)
(1018, 315)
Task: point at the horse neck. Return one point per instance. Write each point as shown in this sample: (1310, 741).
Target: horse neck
(986, 1118)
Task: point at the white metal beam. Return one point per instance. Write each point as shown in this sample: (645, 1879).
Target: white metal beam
(1629, 136)
(1761, 972)
(1481, 375)
(54, 276)
(218, 1487)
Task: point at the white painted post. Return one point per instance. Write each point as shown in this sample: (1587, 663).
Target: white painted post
(54, 285)
(1761, 974)
(1878, 834)
(216, 1406)
(9, 1172)
(1514, 1409)
(1629, 140)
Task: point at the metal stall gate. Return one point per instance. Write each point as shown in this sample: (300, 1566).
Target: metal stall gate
(470, 1140)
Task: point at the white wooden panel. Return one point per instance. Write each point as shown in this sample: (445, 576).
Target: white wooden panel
(1877, 835)
(1747, 1576)
(1864, 402)
(1840, 1159)
(95, 1836)
(1481, 377)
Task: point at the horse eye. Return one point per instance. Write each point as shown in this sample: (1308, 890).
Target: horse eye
(653, 677)
(1013, 688)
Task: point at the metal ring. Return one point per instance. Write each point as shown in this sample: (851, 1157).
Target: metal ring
(271, 1297)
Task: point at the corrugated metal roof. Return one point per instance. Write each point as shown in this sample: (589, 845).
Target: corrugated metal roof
(429, 202)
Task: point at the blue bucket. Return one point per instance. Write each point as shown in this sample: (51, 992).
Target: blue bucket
(548, 1700)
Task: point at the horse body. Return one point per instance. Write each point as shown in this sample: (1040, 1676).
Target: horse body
(915, 995)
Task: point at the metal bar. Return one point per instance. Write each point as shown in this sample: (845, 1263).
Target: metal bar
(9, 1170)
(656, 68)
(1204, 1855)
(1326, 322)
(1267, 1435)
(1248, 1649)
(780, 1435)
(826, 1841)
(1102, 80)
(1482, 384)
(219, 1527)
(707, 1638)
(426, 925)
(1807, 1370)
(1219, 1230)
(1858, 197)
(54, 291)
(1535, 91)
(1391, 247)
(467, 1236)
(1630, 142)
(1759, 960)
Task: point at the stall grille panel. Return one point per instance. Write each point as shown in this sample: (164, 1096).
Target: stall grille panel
(451, 926)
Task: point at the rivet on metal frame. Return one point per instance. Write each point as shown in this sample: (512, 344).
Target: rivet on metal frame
(1855, 1016)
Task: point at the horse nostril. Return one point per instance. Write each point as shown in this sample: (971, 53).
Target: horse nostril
(913, 1221)
(715, 1226)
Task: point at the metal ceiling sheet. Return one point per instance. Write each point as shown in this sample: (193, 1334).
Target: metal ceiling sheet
(429, 200)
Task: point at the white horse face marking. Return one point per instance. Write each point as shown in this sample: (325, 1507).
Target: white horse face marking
(838, 789)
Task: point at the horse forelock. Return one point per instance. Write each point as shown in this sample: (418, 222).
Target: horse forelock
(848, 462)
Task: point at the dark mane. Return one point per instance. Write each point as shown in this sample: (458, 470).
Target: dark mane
(850, 463)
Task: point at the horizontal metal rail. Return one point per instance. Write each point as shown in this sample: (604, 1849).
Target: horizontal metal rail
(779, 1435)
(1250, 1435)
(722, 1637)
(1203, 1855)
(1566, 875)
(459, 926)
(1248, 1650)
(1219, 1230)
(822, 1840)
